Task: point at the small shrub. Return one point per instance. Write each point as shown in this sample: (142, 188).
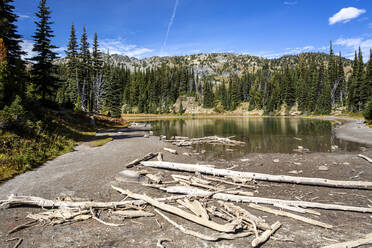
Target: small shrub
(367, 113)
(13, 115)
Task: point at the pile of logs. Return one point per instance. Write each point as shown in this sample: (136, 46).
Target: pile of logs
(207, 196)
(213, 140)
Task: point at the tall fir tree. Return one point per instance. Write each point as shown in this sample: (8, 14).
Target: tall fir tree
(72, 68)
(14, 78)
(43, 71)
(84, 84)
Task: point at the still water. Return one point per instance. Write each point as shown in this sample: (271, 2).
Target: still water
(261, 134)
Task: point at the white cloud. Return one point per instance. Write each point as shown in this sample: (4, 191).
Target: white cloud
(27, 46)
(352, 44)
(345, 15)
(117, 46)
(290, 3)
(21, 16)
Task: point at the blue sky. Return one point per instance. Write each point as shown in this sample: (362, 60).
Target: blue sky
(267, 28)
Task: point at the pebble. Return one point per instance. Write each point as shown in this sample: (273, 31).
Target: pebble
(346, 163)
(244, 159)
(276, 160)
(295, 172)
(297, 163)
(146, 136)
(229, 150)
(323, 168)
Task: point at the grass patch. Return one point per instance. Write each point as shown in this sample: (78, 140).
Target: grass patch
(100, 142)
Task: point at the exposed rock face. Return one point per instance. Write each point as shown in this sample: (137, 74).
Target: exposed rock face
(219, 65)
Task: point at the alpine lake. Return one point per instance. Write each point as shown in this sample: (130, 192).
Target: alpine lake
(260, 134)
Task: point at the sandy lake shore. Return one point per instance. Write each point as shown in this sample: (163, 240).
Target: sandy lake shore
(89, 173)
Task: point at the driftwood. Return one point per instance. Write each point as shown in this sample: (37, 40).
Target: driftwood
(245, 215)
(354, 243)
(290, 215)
(14, 200)
(296, 209)
(195, 207)
(132, 213)
(186, 141)
(266, 235)
(228, 182)
(23, 226)
(228, 228)
(365, 157)
(170, 150)
(192, 191)
(214, 237)
(145, 158)
(259, 176)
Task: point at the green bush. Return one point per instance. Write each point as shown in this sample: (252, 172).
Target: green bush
(367, 113)
(13, 115)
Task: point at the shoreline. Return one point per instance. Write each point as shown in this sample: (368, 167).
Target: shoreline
(89, 172)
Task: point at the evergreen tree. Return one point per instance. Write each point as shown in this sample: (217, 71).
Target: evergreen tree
(42, 74)
(84, 84)
(12, 81)
(3, 70)
(72, 68)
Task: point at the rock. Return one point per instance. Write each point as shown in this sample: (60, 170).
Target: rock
(128, 176)
(295, 172)
(244, 159)
(276, 160)
(146, 136)
(186, 154)
(203, 151)
(151, 133)
(300, 147)
(323, 168)
(346, 163)
(297, 163)
(161, 137)
(334, 147)
(229, 150)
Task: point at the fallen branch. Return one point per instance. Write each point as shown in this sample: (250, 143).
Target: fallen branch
(228, 182)
(296, 209)
(259, 176)
(290, 215)
(169, 150)
(266, 234)
(132, 213)
(14, 200)
(191, 191)
(22, 226)
(145, 158)
(204, 236)
(365, 157)
(353, 243)
(195, 207)
(228, 228)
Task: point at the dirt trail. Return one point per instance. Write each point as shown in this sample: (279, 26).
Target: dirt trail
(88, 172)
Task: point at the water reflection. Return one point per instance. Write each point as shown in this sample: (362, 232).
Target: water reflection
(262, 134)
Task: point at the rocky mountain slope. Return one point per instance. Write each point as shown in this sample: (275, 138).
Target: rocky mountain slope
(217, 64)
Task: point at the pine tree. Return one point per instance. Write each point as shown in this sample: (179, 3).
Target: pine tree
(13, 81)
(72, 67)
(3, 70)
(84, 85)
(97, 86)
(42, 74)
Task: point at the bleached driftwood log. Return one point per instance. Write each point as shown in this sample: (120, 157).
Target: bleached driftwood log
(353, 243)
(145, 158)
(259, 176)
(365, 157)
(296, 209)
(214, 237)
(266, 234)
(228, 228)
(290, 215)
(14, 200)
(195, 207)
(169, 150)
(192, 191)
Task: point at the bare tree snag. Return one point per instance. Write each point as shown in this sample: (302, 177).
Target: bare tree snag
(266, 234)
(228, 228)
(354, 243)
(145, 158)
(290, 215)
(215, 237)
(259, 176)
